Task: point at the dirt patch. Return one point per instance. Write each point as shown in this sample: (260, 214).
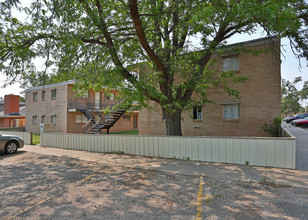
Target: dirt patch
(35, 186)
(251, 200)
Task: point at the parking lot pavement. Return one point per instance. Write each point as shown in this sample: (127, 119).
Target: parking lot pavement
(301, 145)
(61, 184)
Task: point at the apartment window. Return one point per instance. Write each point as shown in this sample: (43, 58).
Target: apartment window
(197, 112)
(34, 96)
(82, 94)
(163, 115)
(53, 119)
(109, 96)
(231, 111)
(43, 95)
(127, 117)
(230, 63)
(43, 119)
(81, 119)
(34, 120)
(53, 94)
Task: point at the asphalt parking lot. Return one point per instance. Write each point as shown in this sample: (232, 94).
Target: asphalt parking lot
(42, 186)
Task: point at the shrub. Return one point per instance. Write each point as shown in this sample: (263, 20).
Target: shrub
(273, 128)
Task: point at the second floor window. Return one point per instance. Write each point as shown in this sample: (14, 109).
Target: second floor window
(43, 95)
(82, 94)
(34, 96)
(109, 96)
(230, 63)
(53, 94)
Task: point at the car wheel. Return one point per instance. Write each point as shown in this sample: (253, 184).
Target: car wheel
(11, 147)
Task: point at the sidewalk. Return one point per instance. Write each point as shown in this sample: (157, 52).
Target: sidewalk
(295, 178)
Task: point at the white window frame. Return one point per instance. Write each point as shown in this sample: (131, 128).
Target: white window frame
(53, 93)
(43, 95)
(43, 119)
(231, 111)
(34, 119)
(53, 119)
(230, 63)
(35, 97)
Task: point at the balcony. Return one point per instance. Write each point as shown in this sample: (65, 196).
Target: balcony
(82, 104)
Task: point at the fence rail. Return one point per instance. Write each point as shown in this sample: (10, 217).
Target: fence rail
(26, 136)
(273, 152)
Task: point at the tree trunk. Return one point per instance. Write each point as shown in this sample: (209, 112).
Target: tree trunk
(173, 122)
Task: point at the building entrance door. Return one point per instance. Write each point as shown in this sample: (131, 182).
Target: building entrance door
(135, 122)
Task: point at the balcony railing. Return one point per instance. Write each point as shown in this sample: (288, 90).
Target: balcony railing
(90, 104)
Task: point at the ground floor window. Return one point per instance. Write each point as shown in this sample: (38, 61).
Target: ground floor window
(53, 119)
(43, 119)
(231, 111)
(81, 119)
(34, 120)
(127, 117)
(197, 112)
(163, 116)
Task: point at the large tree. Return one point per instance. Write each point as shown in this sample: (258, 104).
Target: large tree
(105, 42)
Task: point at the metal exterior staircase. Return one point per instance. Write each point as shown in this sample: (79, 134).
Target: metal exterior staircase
(97, 120)
(106, 122)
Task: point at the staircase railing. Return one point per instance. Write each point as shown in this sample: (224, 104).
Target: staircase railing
(99, 121)
(87, 126)
(91, 105)
(91, 111)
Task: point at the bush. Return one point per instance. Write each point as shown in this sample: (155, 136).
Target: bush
(273, 128)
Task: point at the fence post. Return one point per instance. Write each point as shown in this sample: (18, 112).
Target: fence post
(31, 138)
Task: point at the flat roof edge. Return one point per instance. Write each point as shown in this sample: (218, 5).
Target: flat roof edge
(51, 85)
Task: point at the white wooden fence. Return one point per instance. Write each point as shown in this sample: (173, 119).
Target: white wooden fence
(273, 152)
(26, 136)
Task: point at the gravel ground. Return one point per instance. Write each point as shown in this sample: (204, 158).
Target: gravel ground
(36, 186)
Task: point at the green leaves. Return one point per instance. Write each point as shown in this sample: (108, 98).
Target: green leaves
(100, 42)
(291, 96)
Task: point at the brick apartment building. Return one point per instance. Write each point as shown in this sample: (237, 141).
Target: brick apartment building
(260, 102)
(12, 112)
(57, 107)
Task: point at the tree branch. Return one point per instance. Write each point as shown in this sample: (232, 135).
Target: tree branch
(141, 35)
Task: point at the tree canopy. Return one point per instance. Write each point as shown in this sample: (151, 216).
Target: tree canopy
(291, 96)
(99, 42)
